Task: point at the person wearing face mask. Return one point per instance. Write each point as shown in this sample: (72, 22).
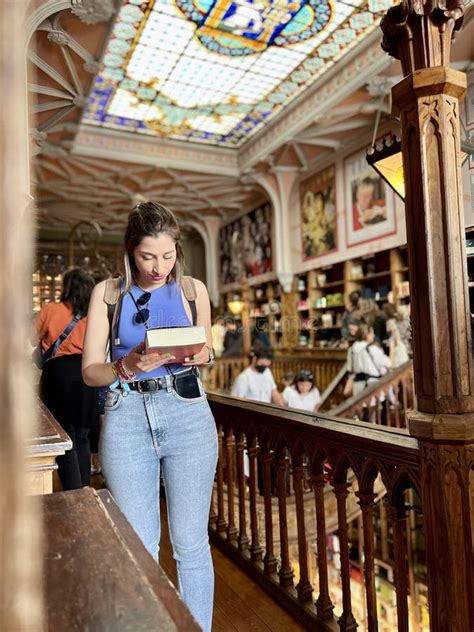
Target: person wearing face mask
(256, 381)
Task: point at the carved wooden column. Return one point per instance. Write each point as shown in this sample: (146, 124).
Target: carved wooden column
(419, 34)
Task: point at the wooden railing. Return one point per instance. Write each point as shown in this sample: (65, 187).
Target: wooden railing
(306, 475)
(385, 402)
(222, 374)
(333, 394)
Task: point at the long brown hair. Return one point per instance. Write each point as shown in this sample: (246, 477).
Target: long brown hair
(150, 219)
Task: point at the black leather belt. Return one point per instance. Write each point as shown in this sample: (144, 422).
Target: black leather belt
(154, 384)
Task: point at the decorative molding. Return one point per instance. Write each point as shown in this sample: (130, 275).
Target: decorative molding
(336, 85)
(104, 143)
(93, 11)
(380, 86)
(60, 37)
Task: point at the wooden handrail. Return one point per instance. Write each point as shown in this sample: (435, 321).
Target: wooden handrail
(335, 383)
(300, 467)
(385, 401)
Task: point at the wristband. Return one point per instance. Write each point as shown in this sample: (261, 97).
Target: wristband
(122, 373)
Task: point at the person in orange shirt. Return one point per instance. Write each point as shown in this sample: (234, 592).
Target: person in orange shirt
(62, 389)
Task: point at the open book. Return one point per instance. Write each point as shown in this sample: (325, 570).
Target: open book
(182, 342)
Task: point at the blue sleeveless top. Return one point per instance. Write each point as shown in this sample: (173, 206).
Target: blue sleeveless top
(166, 310)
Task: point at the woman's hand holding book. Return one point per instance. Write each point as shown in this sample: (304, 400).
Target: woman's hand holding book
(137, 361)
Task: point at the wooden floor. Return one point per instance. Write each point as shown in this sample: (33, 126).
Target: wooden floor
(239, 603)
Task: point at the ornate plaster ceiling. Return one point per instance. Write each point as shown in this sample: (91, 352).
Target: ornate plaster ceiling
(71, 188)
(87, 171)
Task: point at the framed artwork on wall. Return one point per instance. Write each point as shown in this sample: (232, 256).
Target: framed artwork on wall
(370, 207)
(318, 214)
(246, 246)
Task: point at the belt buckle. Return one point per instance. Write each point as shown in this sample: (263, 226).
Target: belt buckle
(147, 388)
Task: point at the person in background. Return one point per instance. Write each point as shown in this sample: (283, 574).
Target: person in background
(233, 340)
(365, 359)
(398, 352)
(256, 381)
(288, 378)
(259, 336)
(303, 393)
(402, 318)
(352, 313)
(62, 389)
(218, 332)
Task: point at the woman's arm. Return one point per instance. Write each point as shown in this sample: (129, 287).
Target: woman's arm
(203, 308)
(382, 361)
(285, 395)
(277, 398)
(95, 370)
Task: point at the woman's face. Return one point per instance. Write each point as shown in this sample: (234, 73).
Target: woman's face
(304, 387)
(155, 258)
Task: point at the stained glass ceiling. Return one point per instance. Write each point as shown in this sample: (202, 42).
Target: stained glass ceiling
(215, 71)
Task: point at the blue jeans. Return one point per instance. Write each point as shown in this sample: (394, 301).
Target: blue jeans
(144, 435)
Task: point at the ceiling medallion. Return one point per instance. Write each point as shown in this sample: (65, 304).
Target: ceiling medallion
(244, 27)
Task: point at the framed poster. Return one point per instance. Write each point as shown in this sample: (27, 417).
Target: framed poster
(246, 246)
(370, 207)
(318, 214)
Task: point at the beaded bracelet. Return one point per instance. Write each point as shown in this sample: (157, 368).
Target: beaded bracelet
(122, 373)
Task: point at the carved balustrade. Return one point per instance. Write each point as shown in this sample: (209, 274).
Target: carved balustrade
(286, 481)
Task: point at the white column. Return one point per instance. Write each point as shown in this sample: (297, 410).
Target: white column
(278, 185)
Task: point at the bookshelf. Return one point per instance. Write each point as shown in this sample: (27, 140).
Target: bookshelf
(265, 312)
(328, 305)
(46, 288)
(310, 316)
(371, 275)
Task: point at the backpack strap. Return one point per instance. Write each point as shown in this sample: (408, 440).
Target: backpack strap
(190, 294)
(373, 363)
(51, 352)
(112, 294)
(112, 291)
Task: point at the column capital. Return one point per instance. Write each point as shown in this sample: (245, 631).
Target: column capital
(419, 32)
(286, 280)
